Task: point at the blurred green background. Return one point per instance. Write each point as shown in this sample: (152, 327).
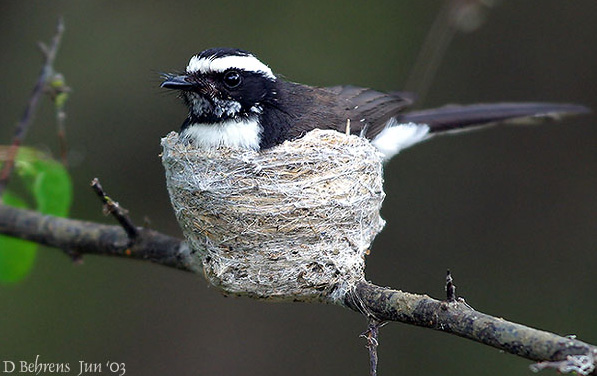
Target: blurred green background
(511, 211)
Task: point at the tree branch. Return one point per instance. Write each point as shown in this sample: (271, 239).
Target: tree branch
(459, 318)
(379, 304)
(82, 237)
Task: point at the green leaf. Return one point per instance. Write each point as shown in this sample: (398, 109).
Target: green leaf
(49, 187)
(16, 255)
(46, 179)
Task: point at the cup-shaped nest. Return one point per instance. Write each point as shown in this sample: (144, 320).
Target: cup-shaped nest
(293, 222)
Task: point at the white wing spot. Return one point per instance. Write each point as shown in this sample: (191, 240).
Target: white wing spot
(396, 137)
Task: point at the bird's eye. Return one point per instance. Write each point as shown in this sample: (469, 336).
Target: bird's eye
(232, 79)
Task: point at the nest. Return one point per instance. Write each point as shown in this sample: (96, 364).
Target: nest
(293, 222)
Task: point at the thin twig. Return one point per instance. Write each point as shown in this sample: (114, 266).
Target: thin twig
(58, 91)
(450, 288)
(63, 144)
(372, 335)
(26, 120)
(455, 15)
(118, 212)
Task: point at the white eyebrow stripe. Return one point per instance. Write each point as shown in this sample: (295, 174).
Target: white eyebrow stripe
(249, 63)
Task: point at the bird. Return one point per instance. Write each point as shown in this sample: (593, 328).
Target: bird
(235, 100)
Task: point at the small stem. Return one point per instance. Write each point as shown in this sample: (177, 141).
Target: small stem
(32, 105)
(450, 288)
(118, 212)
(372, 335)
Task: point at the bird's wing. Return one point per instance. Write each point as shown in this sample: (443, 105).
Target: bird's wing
(367, 109)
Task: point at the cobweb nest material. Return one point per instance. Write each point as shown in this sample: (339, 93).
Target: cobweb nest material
(293, 222)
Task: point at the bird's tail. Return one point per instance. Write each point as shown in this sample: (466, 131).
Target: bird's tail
(455, 118)
(406, 130)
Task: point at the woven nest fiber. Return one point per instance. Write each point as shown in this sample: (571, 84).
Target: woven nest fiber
(293, 222)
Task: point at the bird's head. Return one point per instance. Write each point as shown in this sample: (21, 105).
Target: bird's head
(223, 84)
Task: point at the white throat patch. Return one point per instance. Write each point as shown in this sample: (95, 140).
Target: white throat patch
(241, 134)
(248, 63)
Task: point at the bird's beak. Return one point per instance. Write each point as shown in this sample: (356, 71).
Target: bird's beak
(176, 82)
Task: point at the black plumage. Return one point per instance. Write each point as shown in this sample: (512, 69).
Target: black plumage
(223, 85)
